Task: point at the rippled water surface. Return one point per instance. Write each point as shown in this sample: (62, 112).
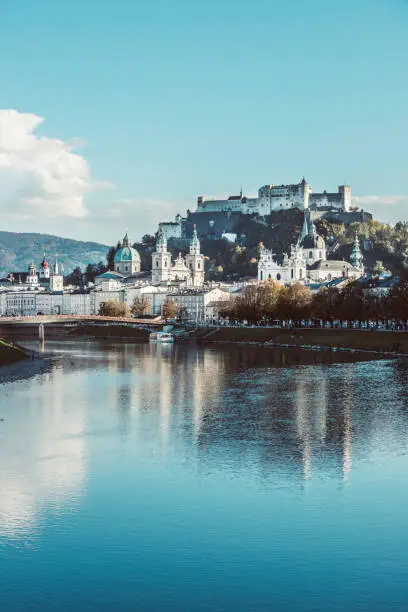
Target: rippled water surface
(136, 477)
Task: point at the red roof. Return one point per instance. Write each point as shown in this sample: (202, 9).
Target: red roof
(44, 263)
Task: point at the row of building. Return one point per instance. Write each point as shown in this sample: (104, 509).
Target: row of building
(181, 280)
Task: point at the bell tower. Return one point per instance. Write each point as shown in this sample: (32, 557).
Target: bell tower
(195, 261)
(161, 260)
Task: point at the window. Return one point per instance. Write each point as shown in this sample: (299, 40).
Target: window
(198, 265)
(165, 263)
(292, 274)
(157, 264)
(310, 254)
(320, 255)
(261, 275)
(278, 277)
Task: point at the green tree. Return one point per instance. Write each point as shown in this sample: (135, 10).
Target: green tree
(378, 268)
(75, 278)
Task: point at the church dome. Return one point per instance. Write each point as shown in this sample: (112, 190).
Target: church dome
(44, 263)
(126, 254)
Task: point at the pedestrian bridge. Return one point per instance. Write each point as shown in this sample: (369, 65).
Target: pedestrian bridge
(78, 319)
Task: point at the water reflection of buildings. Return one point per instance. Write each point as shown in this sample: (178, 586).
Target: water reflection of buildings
(267, 409)
(43, 466)
(270, 414)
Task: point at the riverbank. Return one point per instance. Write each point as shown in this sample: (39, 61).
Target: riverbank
(10, 353)
(18, 363)
(346, 339)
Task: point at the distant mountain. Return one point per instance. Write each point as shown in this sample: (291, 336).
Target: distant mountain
(18, 250)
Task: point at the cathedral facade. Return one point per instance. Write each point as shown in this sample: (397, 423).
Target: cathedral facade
(307, 261)
(188, 269)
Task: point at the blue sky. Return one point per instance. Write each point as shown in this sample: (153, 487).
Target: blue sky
(172, 99)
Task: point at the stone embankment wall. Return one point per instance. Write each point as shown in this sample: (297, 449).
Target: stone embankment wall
(381, 341)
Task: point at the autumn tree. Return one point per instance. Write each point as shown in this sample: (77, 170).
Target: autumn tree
(114, 308)
(294, 302)
(170, 309)
(140, 306)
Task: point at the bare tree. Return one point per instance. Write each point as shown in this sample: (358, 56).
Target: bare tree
(170, 309)
(140, 306)
(114, 308)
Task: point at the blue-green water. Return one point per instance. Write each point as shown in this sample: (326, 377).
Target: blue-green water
(152, 478)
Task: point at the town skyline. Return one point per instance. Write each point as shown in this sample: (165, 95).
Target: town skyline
(98, 138)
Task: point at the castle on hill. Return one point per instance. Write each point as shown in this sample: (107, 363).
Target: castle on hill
(218, 217)
(279, 197)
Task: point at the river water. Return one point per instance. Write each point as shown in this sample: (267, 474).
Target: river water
(156, 478)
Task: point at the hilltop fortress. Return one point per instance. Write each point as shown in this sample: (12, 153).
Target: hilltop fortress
(217, 217)
(279, 197)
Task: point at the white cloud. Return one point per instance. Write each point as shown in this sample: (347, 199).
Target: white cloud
(142, 215)
(389, 208)
(39, 175)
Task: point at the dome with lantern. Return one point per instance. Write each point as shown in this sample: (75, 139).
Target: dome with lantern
(127, 259)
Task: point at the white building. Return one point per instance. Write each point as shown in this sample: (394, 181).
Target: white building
(307, 261)
(279, 197)
(199, 304)
(188, 269)
(292, 269)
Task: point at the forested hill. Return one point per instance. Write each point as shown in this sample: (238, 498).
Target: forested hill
(18, 250)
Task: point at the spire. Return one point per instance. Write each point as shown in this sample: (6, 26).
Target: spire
(161, 242)
(195, 243)
(56, 265)
(305, 228)
(356, 257)
(125, 242)
(312, 228)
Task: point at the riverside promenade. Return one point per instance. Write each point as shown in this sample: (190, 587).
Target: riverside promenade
(381, 341)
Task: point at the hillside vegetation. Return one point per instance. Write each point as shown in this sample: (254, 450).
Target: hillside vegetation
(18, 250)
(385, 247)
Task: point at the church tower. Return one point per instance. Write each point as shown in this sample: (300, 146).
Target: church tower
(44, 270)
(195, 261)
(56, 278)
(161, 263)
(356, 257)
(32, 276)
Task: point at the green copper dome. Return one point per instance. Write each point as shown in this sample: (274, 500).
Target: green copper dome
(126, 253)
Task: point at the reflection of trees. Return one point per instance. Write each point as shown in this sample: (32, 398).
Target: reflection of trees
(281, 410)
(290, 415)
(307, 421)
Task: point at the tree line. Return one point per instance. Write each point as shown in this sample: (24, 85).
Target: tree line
(270, 301)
